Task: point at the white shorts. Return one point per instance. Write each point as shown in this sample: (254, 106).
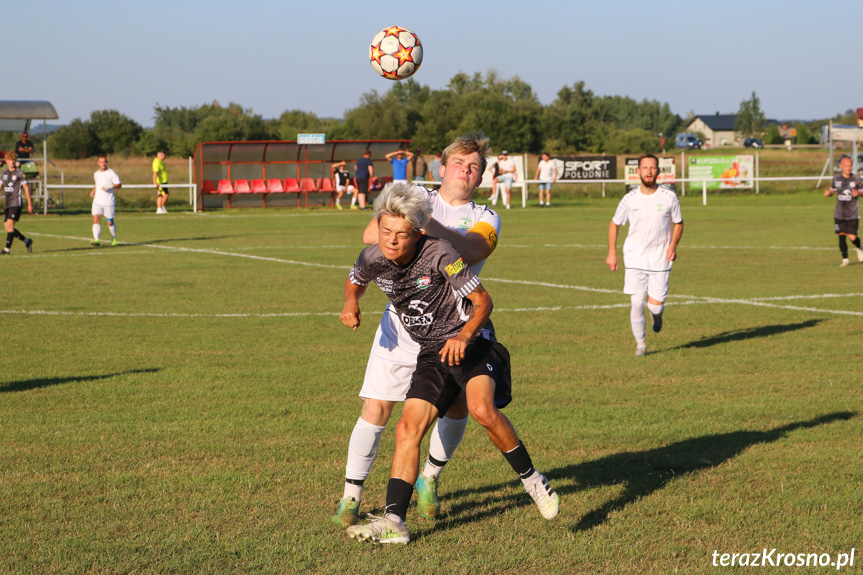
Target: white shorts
(100, 210)
(350, 189)
(392, 361)
(640, 281)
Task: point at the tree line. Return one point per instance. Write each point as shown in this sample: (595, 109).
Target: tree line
(506, 109)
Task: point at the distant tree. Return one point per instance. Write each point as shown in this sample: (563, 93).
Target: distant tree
(849, 117)
(116, 133)
(183, 128)
(773, 136)
(750, 120)
(803, 135)
(74, 141)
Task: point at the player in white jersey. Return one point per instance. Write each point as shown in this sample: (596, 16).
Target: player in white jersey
(655, 229)
(473, 230)
(104, 202)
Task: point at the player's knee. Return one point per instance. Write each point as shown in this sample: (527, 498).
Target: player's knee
(409, 431)
(485, 413)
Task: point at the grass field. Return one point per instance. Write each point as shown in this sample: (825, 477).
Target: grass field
(182, 403)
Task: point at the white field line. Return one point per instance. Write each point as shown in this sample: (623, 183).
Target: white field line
(758, 302)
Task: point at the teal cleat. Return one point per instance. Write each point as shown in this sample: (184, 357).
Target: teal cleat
(428, 503)
(348, 512)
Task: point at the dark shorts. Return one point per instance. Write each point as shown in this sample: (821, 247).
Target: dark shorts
(13, 213)
(363, 185)
(846, 226)
(440, 384)
(163, 190)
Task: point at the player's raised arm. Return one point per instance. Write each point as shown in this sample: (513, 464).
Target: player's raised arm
(453, 349)
(476, 246)
(351, 315)
(611, 260)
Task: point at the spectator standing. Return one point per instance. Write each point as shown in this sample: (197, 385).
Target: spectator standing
(434, 170)
(546, 172)
(24, 147)
(419, 165)
(399, 159)
(846, 215)
(160, 180)
(364, 170)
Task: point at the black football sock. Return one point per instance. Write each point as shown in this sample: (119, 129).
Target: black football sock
(856, 243)
(19, 235)
(399, 494)
(843, 247)
(9, 237)
(519, 460)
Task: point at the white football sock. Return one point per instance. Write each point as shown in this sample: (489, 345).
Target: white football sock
(636, 316)
(97, 231)
(354, 200)
(445, 437)
(113, 229)
(655, 309)
(362, 450)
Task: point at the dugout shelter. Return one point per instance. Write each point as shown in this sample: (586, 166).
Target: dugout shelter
(271, 173)
(16, 116)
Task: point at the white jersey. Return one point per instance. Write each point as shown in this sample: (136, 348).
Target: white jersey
(650, 219)
(546, 170)
(109, 179)
(392, 342)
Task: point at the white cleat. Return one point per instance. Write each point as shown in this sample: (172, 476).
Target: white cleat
(859, 255)
(641, 351)
(844, 263)
(545, 497)
(381, 530)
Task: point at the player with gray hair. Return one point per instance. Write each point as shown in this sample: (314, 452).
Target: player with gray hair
(404, 201)
(473, 230)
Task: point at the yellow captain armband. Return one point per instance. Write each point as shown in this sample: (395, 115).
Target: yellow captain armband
(488, 233)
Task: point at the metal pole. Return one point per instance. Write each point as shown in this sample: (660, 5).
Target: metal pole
(757, 173)
(682, 173)
(191, 202)
(44, 167)
(704, 193)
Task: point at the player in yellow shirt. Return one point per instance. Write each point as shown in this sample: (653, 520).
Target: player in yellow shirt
(160, 180)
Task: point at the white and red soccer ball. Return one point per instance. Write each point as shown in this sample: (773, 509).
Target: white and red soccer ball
(395, 53)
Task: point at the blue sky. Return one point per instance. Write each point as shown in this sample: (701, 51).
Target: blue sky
(268, 55)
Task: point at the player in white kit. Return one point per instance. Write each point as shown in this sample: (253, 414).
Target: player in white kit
(655, 229)
(473, 230)
(104, 202)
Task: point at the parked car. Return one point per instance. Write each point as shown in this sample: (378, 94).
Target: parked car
(688, 140)
(753, 143)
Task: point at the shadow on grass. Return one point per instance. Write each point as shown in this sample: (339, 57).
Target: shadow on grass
(640, 473)
(749, 333)
(26, 384)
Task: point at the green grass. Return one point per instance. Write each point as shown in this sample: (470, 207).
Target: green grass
(182, 403)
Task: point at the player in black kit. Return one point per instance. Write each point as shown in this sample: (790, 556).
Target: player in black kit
(443, 307)
(12, 180)
(846, 216)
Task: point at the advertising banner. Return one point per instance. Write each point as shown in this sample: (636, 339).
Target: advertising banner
(720, 169)
(666, 173)
(585, 168)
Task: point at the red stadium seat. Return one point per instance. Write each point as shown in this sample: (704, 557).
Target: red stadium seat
(226, 188)
(209, 187)
(307, 185)
(292, 186)
(325, 185)
(259, 187)
(242, 187)
(274, 186)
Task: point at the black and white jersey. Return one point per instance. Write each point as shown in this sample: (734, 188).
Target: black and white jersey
(428, 293)
(342, 177)
(847, 206)
(12, 182)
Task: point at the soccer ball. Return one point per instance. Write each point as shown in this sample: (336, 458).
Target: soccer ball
(395, 53)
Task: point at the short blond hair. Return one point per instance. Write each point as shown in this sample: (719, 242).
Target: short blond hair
(11, 156)
(468, 144)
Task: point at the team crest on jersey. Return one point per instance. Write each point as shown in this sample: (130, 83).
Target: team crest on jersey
(423, 282)
(464, 223)
(658, 207)
(455, 267)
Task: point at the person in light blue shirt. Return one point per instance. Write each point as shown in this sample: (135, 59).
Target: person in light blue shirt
(400, 160)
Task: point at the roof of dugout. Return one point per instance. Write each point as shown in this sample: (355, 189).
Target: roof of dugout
(15, 115)
(286, 159)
